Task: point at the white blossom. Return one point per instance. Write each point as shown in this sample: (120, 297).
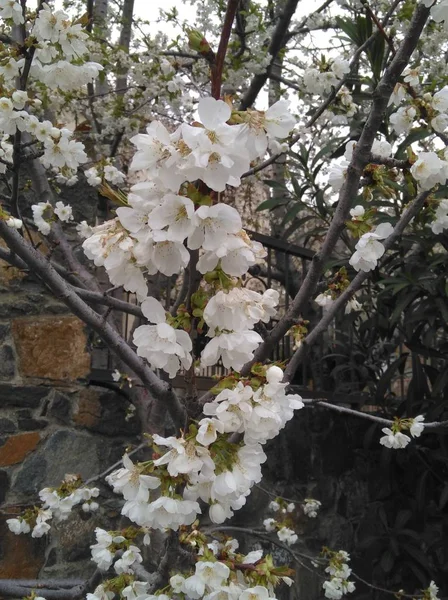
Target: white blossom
(311, 507)
(10, 9)
(369, 249)
(395, 440)
(64, 212)
(429, 170)
(163, 346)
(287, 535)
(417, 426)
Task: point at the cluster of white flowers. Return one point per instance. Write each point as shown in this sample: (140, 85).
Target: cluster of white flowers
(403, 119)
(54, 505)
(380, 148)
(437, 106)
(259, 414)
(154, 232)
(325, 300)
(165, 512)
(311, 507)
(95, 175)
(40, 527)
(287, 535)
(223, 481)
(107, 544)
(60, 46)
(432, 591)
(43, 213)
(338, 585)
(62, 505)
(283, 524)
(148, 236)
(429, 170)
(393, 438)
(369, 249)
(163, 346)
(338, 171)
(10, 9)
(231, 316)
(321, 82)
(14, 223)
(213, 578)
(60, 151)
(440, 222)
(216, 153)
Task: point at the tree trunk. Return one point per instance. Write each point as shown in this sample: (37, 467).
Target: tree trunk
(125, 41)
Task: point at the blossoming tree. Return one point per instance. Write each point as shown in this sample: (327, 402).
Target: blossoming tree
(188, 114)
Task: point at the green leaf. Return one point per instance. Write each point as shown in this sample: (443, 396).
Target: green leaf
(328, 149)
(443, 497)
(275, 184)
(386, 378)
(320, 203)
(387, 561)
(272, 203)
(416, 135)
(401, 305)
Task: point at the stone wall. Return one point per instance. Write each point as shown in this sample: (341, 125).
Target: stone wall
(51, 423)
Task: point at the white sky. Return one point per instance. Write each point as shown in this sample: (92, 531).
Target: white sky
(149, 9)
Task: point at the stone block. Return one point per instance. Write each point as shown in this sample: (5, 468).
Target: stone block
(31, 424)
(3, 485)
(21, 556)
(22, 396)
(51, 347)
(7, 362)
(7, 426)
(104, 413)
(4, 331)
(63, 452)
(88, 411)
(17, 447)
(60, 408)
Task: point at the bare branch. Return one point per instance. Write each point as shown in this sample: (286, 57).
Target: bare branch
(315, 402)
(218, 65)
(277, 43)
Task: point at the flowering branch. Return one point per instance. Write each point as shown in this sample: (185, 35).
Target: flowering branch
(43, 192)
(330, 98)
(350, 188)
(328, 316)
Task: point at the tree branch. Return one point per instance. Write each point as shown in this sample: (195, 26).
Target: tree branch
(277, 43)
(435, 425)
(349, 190)
(161, 390)
(334, 92)
(218, 65)
(50, 589)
